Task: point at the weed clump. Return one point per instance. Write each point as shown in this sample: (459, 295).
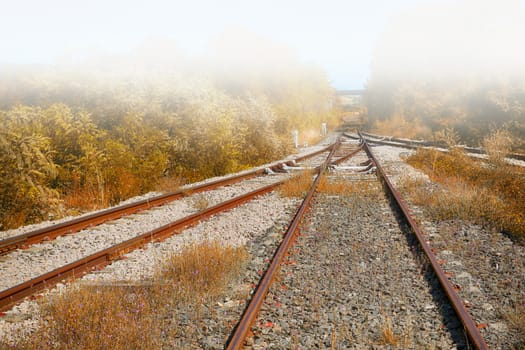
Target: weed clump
(89, 317)
(389, 337)
(498, 145)
(348, 188)
(200, 202)
(298, 185)
(516, 319)
(201, 271)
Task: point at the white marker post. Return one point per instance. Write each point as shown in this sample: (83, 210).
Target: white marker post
(295, 135)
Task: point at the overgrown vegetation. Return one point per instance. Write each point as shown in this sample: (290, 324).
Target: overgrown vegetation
(486, 193)
(201, 272)
(389, 337)
(398, 126)
(298, 185)
(143, 316)
(516, 319)
(98, 318)
(87, 136)
(359, 189)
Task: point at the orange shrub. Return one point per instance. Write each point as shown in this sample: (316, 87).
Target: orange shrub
(473, 190)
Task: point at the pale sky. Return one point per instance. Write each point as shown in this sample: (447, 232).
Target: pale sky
(336, 35)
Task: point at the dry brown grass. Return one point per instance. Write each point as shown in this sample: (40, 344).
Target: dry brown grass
(388, 337)
(333, 339)
(85, 197)
(14, 220)
(472, 190)
(169, 184)
(98, 318)
(82, 199)
(449, 136)
(90, 196)
(516, 319)
(298, 185)
(141, 317)
(498, 145)
(341, 336)
(202, 271)
(457, 201)
(200, 202)
(345, 187)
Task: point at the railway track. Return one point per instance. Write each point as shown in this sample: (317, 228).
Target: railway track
(461, 311)
(253, 183)
(248, 318)
(415, 144)
(71, 226)
(302, 332)
(364, 276)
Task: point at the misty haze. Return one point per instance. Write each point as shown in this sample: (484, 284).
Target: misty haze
(110, 103)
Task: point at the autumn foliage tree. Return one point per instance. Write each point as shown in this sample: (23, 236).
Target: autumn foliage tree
(26, 170)
(85, 137)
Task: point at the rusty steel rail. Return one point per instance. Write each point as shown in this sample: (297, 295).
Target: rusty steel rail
(75, 225)
(11, 296)
(383, 142)
(415, 144)
(472, 331)
(237, 338)
(348, 156)
(313, 154)
(406, 141)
